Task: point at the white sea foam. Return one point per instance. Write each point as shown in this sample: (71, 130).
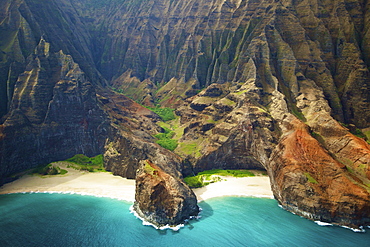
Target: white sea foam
(146, 223)
(256, 196)
(360, 229)
(321, 223)
(69, 193)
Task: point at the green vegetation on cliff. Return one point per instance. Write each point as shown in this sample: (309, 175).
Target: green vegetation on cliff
(165, 113)
(211, 176)
(310, 178)
(196, 181)
(149, 169)
(84, 163)
(78, 162)
(168, 134)
(189, 148)
(185, 147)
(49, 169)
(367, 134)
(164, 139)
(232, 173)
(169, 144)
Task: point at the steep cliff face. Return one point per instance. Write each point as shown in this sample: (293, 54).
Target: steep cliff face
(276, 85)
(308, 181)
(210, 41)
(53, 114)
(23, 23)
(12, 61)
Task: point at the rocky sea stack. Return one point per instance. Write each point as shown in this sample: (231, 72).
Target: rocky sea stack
(161, 199)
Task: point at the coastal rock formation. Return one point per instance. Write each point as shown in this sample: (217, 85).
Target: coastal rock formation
(162, 199)
(308, 181)
(53, 114)
(124, 152)
(277, 85)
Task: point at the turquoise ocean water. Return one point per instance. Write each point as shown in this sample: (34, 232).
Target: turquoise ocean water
(73, 220)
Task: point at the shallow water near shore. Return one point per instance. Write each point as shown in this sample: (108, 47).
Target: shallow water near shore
(72, 220)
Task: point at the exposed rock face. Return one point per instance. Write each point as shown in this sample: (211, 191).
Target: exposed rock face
(257, 84)
(124, 152)
(235, 132)
(308, 181)
(162, 199)
(210, 41)
(22, 25)
(53, 114)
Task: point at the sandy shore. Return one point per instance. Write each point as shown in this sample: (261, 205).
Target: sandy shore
(104, 184)
(258, 186)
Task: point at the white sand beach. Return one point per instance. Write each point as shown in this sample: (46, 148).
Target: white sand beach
(258, 186)
(101, 184)
(104, 184)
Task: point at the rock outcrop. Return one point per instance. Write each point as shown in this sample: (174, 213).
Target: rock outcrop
(162, 199)
(124, 151)
(308, 181)
(277, 85)
(53, 114)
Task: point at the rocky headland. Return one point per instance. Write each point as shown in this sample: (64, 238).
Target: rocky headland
(162, 199)
(281, 86)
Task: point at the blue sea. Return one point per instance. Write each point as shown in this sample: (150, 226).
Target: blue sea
(73, 220)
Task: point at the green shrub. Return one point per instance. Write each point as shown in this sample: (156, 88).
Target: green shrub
(81, 159)
(166, 130)
(165, 141)
(165, 113)
(86, 168)
(170, 134)
(233, 173)
(97, 160)
(62, 171)
(163, 136)
(209, 176)
(310, 178)
(85, 163)
(194, 182)
(52, 170)
(149, 169)
(49, 170)
(201, 180)
(359, 134)
(169, 144)
(241, 173)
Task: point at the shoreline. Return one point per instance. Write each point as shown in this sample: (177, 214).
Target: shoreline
(258, 186)
(104, 184)
(98, 184)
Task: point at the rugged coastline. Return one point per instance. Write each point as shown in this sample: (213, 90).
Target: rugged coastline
(282, 86)
(104, 184)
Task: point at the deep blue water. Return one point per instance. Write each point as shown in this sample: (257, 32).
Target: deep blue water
(73, 220)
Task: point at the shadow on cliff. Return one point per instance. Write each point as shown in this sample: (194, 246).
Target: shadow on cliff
(207, 211)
